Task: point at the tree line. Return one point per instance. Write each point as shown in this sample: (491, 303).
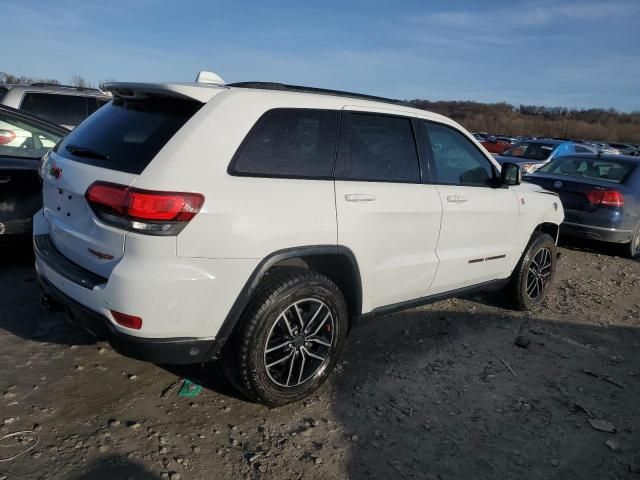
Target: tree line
(75, 80)
(539, 121)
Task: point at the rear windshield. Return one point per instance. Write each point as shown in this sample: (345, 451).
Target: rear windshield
(530, 151)
(126, 134)
(598, 169)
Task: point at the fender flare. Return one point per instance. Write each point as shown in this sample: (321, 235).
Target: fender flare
(245, 295)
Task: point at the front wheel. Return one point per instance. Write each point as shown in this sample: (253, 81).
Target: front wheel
(289, 338)
(534, 273)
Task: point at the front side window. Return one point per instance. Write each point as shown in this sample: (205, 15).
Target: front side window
(290, 142)
(455, 159)
(379, 148)
(19, 138)
(68, 110)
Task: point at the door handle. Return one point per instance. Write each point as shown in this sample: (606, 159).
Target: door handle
(457, 198)
(5, 179)
(359, 197)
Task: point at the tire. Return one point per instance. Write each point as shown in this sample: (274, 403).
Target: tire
(286, 295)
(632, 249)
(521, 293)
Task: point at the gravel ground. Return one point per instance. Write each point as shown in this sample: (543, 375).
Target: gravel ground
(459, 389)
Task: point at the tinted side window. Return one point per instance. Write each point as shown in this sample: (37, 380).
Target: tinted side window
(94, 104)
(290, 142)
(455, 159)
(60, 109)
(379, 148)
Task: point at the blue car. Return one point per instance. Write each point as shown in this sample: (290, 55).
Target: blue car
(533, 154)
(600, 195)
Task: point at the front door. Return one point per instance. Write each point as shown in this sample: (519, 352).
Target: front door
(479, 220)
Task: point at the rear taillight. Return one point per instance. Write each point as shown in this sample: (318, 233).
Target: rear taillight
(6, 136)
(129, 321)
(610, 198)
(144, 211)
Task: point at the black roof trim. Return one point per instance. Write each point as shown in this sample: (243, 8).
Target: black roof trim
(83, 89)
(320, 91)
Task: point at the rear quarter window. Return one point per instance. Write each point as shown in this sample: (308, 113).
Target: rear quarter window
(61, 109)
(290, 143)
(126, 134)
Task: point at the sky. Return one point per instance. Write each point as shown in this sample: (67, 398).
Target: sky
(573, 53)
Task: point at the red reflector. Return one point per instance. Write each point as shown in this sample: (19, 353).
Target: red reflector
(144, 204)
(611, 198)
(129, 321)
(6, 136)
(163, 206)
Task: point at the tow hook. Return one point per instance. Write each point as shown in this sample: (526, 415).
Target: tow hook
(48, 303)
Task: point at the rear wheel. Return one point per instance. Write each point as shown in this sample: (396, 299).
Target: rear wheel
(632, 249)
(289, 339)
(533, 275)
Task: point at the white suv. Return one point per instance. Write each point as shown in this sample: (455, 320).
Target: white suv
(62, 104)
(259, 222)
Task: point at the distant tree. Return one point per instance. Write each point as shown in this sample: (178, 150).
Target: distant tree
(23, 80)
(79, 81)
(101, 83)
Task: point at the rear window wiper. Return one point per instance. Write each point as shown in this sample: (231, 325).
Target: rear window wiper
(85, 152)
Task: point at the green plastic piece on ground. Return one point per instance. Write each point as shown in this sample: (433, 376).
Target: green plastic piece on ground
(189, 389)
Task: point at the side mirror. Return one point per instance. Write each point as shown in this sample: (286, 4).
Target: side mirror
(510, 174)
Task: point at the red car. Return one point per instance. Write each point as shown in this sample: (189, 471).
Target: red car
(495, 146)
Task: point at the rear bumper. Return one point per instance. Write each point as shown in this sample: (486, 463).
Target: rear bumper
(604, 234)
(155, 350)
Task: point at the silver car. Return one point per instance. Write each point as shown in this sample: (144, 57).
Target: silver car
(61, 104)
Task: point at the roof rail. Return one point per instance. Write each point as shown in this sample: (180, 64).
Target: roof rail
(321, 91)
(45, 84)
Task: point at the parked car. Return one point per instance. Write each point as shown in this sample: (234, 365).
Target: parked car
(600, 194)
(258, 222)
(495, 146)
(603, 148)
(24, 139)
(61, 104)
(623, 148)
(534, 154)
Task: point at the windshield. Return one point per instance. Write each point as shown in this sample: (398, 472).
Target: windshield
(597, 169)
(530, 151)
(19, 138)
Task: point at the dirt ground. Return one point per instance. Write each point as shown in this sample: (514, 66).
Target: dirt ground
(440, 392)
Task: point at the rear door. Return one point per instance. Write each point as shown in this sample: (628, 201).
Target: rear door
(385, 214)
(478, 221)
(114, 145)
